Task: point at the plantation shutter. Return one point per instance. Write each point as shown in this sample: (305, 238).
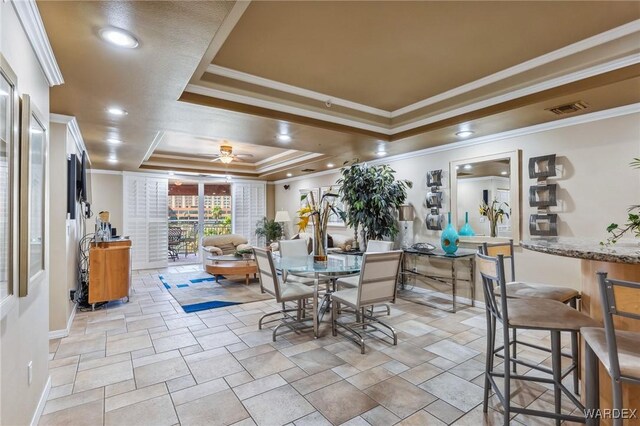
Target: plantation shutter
(249, 206)
(146, 220)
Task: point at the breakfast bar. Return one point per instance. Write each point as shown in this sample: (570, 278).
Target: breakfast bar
(620, 261)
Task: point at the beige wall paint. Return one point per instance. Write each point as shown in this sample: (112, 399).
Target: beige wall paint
(595, 187)
(106, 194)
(24, 329)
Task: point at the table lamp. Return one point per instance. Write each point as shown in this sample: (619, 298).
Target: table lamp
(282, 216)
(406, 215)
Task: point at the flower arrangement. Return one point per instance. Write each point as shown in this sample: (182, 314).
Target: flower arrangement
(633, 219)
(318, 212)
(494, 212)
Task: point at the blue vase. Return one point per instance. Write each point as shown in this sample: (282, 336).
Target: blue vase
(449, 238)
(466, 230)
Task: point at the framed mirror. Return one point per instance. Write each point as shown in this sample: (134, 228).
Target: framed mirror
(33, 150)
(485, 191)
(9, 122)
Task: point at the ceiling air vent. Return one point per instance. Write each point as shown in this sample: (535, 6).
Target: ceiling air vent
(569, 108)
(308, 170)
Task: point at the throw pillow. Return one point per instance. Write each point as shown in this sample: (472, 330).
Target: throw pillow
(228, 248)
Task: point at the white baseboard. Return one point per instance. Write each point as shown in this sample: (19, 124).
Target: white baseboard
(57, 334)
(41, 403)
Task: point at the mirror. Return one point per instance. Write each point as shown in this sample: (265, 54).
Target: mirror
(487, 190)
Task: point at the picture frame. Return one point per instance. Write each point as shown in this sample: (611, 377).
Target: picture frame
(434, 220)
(543, 196)
(434, 199)
(543, 225)
(33, 152)
(9, 143)
(334, 219)
(434, 178)
(542, 167)
(306, 191)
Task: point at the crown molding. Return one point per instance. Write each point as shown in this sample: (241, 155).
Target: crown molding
(538, 128)
(29, 16)
(275, 157)
(154, 144)
(104, 172)
(277, 106)
(308, 157)
(294, 90)
(74, 129)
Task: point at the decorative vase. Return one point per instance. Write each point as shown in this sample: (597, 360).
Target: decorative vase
(466, 230)
(320, 243)
(449, 238)
(493, 224)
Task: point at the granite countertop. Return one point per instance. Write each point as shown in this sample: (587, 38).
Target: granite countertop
(622, 252)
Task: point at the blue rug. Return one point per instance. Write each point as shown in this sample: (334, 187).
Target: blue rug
(198, 291)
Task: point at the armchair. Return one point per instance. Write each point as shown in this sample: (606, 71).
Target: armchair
(218, 245)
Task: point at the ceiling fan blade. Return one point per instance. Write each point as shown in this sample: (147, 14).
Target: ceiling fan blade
(215, 159)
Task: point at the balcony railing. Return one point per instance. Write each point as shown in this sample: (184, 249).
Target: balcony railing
(190, 242)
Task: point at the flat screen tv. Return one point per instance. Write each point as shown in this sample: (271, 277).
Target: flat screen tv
(72, 185)
(84, 181)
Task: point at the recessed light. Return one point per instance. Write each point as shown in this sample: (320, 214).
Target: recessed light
(464, 133)
(112, 160)
(289, 175)
(114, 141)
(116, 111)
(284, 138)
(504, 173)
(381, 153)
(330, 165)
(467, 166)
(119, 37)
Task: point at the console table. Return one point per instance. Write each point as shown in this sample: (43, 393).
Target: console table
(109, 270)
(465, 256)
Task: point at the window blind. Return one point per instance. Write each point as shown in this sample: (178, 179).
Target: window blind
(249, 206)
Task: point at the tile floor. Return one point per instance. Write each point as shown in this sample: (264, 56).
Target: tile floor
(148, 362)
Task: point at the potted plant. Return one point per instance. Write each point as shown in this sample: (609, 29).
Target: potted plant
(371, 195)
(269, 229)
(495, 213)
(633, 219)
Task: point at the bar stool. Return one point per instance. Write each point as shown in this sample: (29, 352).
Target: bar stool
(619, 351)
(526, 314)
(525, 290)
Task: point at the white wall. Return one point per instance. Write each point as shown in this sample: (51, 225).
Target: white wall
(595, 187)
(24, 330)
(106, 194)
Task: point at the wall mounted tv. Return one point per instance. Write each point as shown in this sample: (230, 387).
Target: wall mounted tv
(78, 183)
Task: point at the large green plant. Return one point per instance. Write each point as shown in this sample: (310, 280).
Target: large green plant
(269, 229)
(371, 195)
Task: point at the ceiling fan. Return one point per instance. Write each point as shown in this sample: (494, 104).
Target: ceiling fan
(226, 155)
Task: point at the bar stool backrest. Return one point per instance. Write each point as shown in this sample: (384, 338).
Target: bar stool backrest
(378, 277)
(617, 300)
(267, 272)
(379, 246)
(492, 272)
(505, 249)
(293, 248)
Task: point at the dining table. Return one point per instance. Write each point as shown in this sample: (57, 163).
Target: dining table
(337, 265)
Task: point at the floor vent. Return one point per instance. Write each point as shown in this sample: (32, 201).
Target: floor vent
(308, 170)
(569, 108)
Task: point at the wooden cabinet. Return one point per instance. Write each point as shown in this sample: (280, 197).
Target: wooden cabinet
(109, 271)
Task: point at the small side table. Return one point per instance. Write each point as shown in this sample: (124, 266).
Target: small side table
(462, 255)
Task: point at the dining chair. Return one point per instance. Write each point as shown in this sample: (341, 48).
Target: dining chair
(271, 283)
(617, 350)
(524, 290)
(526, 314)
(175, 239)
(376, 285)
(374, 246)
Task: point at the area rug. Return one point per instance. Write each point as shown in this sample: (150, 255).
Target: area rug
(198, 291)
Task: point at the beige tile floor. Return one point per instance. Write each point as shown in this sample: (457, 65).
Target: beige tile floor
(148, 362)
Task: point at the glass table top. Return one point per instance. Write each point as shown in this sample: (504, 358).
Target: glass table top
(337, 264)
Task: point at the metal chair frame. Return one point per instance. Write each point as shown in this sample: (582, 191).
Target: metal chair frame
(485, 249)
(174, 241)
(492, 271)
(609, 309)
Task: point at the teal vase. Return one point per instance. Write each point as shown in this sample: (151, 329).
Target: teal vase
(449, 238)
(466, 230)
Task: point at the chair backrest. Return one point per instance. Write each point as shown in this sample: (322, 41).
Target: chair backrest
(618, 299)
(505, 249)
(293, 248)
(267, 272)
(378, 277)
(492, 273)
(379, 246)
(175, 234)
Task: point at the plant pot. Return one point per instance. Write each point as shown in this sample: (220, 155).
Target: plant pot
(320, 243)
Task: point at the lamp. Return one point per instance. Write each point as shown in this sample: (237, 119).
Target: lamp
(282, 216)
(226, 159)
(406, 215)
